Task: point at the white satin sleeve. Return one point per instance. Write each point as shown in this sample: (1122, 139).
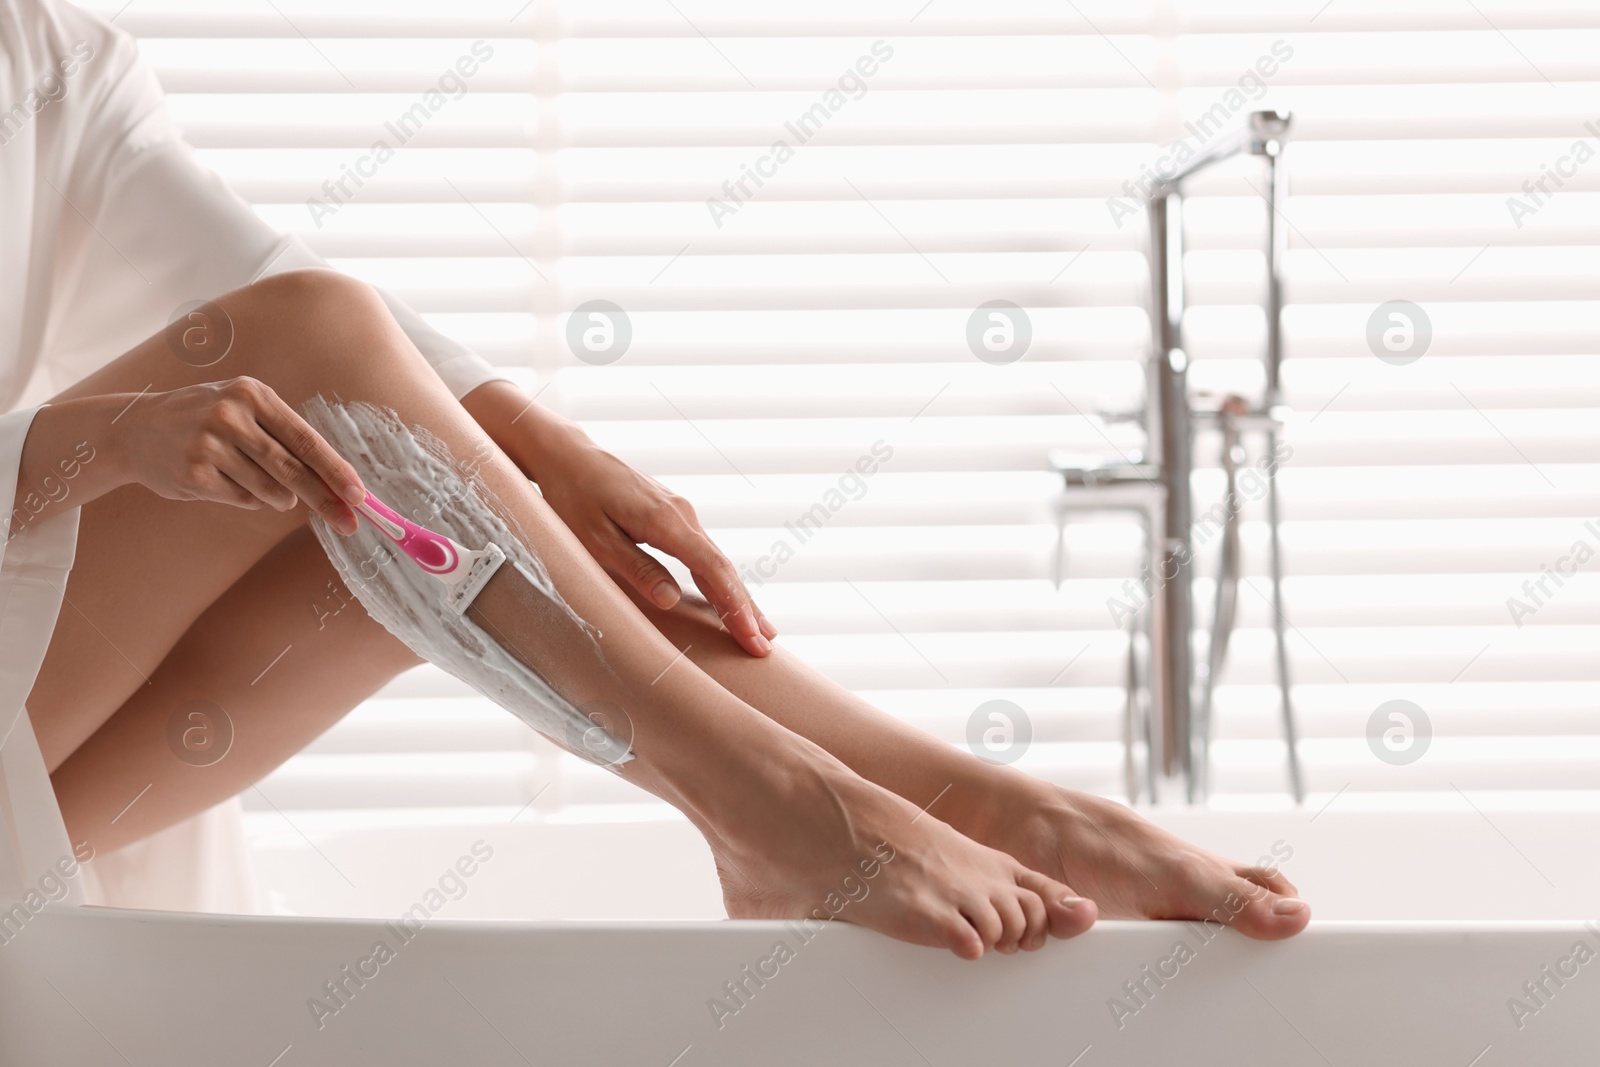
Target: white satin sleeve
(166, 230)
(194, 238)
(33, 574)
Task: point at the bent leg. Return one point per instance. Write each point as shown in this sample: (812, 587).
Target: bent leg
(787, 817)
(310, 333)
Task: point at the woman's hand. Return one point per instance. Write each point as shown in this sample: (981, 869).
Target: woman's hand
(613, 509)
(236, 442)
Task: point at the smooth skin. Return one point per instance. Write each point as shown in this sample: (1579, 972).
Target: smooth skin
(197, 578)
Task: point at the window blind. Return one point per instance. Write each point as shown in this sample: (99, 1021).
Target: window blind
(791, 310)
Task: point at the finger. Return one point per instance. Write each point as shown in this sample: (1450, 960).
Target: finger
(306, 445)
(277, 448)
(720, 583)
(271, 456)
(683, 538)
(641, 570)
(224, 490)
(245, 472)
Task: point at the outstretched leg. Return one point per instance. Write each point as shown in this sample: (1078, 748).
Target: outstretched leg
(789, 818)
(1130, 867)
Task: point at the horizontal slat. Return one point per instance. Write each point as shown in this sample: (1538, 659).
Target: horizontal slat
(1047, 173)
(332, 26)
(983, 552)
(892, 498)
(1324, 359)
(953, 292)
(1332, 128)
(618, 20)
(898, 390)
(928, 442)
(1069, 708)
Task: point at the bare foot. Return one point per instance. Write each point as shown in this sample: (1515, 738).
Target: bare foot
(1130, 867)
(831, 845)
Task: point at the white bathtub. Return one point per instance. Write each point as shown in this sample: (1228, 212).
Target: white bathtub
(1427, 924)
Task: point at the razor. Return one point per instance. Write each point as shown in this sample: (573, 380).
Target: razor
(463, 571)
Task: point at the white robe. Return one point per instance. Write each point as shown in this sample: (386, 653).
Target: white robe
(107, 225)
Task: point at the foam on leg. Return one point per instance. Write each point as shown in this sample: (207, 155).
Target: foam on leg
(413, 472)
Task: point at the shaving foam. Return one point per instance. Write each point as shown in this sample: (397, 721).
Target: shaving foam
(413, 471)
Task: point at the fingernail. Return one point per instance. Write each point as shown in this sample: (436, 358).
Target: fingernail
(1072, 902)
(767, 628)
(1288, 906)
(762, 643)
(665, 594)
(354, 494)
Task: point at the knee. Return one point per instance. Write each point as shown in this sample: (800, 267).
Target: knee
(321, 316)
(321, 300)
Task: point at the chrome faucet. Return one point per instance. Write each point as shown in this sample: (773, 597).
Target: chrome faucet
(1169, 696)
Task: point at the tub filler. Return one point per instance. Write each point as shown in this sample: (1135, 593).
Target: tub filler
(1456, 936)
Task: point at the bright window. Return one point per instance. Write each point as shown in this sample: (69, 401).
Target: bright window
(792, 310)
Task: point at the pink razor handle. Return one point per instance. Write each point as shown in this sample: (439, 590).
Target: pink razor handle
(463, 571)
(432, 552)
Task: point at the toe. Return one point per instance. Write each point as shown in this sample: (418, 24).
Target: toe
(1068, 913)
(1038, 920)
(986, 921)
(1270, 914)
(961, 936)
(1269, 878)
(1013, 921)
(1071, 915)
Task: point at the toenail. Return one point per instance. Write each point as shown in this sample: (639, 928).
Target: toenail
(1072, 902)
(1288, 906)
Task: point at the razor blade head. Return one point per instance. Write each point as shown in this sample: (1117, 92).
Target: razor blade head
(478, 567)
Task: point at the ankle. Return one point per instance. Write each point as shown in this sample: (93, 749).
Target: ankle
(997, 805)
(749, 786)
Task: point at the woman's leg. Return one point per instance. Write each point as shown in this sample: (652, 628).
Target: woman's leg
(144, 571)
(281, 656)
(790, 822)
(1131, 868)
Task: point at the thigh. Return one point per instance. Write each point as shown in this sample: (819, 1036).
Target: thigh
(147, 567)
(278, 658)
(144, 571)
